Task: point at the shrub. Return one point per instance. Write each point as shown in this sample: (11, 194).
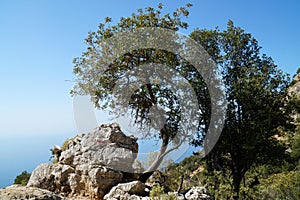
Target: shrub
(23, 178)
(157, 193)
(65, 144)
(281, 186)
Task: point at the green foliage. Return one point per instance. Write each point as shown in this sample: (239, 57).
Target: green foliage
(183, 170)
(65, 144)
(23, 178)
(281, 186)
(294, 104)
(269, 181)
(260, 182)
(100, 85)
(295, 147)
(256, 94)
(294, 140)
(157, 193)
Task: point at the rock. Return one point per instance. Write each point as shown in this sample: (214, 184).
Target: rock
(89, 165)
(177, 195)
(134, 190)
(23, 192)
(138, 166)
(106, 145)
(50, 176)
(92, 181)
(197, 193)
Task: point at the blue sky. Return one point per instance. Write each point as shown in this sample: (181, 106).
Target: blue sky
(39, 39)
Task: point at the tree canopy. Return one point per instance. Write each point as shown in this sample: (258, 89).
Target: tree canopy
(99, 78)
(254, 86)
(256, 92)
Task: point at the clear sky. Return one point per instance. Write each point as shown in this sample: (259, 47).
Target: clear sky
(40, 38)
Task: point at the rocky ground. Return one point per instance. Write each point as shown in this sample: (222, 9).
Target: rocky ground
(23, 192)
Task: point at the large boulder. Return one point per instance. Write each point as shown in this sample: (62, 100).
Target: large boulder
(89, 164)
(106, 145)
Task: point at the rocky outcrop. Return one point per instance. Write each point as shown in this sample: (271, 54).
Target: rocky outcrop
(89, 165)
(106, 145)
(93, 166)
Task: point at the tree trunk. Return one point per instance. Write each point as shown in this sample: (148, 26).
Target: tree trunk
(181, 183)
(165, 141)
(237, 178)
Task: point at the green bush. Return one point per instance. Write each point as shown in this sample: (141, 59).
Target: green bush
(281, 186)
(176, 171)
(23, 178)
(157, 193)
(65, 144)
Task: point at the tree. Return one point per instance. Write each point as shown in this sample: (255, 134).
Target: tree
(256, 93)
(100, 84)
(23, 178)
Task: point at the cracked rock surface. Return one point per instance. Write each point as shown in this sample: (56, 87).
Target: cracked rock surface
(89, 164)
